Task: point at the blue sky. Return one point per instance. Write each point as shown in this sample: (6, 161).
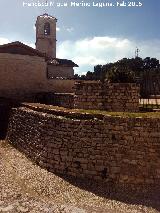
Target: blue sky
(88, 35)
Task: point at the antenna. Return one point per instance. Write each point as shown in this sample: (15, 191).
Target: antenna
(137, 52)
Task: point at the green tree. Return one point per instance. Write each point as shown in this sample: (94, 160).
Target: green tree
(120, 74)
(89, 75)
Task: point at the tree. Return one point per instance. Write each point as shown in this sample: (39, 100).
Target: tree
(120, 74)
(150, 63)
(89, 75)
(97, 72)
(133, 66)
(76, 77)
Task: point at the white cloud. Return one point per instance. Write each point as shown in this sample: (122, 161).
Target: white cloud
(88, 52)
(29, 44)
(70, 29)
(4, 41)
(57, 29)
(34, 28)
(101, 50)
(83, 73)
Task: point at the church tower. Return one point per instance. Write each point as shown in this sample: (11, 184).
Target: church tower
(46, 35)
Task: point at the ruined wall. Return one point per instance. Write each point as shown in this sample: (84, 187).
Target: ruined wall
(88, 95)
(121, 151)
(106, 96)
(22, 76)
(123, 97)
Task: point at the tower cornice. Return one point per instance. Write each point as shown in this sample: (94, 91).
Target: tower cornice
(45, 15)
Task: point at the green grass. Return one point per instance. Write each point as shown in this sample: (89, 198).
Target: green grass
(150, 106)
(51, 109)
(123, 114)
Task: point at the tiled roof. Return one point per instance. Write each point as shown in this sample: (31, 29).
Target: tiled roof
(20, 48)
(23, 49)
(65, 62)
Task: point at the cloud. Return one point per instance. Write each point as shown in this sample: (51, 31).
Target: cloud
(101, 50)
(29, 44)
(34, 28)
(89, 52)
(70, 29)
(57, 29)
(4, 41)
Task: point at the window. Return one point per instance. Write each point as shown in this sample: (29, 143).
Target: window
(47, 28)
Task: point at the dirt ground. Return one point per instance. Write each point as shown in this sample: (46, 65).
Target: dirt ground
(25, 187)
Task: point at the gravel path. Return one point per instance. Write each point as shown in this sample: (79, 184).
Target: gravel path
(25, 187)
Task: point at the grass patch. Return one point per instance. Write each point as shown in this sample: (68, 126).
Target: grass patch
(123, 114)
(150, 106)
(82, 112)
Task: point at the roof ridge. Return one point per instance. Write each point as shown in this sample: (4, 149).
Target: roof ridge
(24, 46)
(59, 61)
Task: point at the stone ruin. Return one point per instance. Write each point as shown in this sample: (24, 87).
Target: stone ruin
(95, 95)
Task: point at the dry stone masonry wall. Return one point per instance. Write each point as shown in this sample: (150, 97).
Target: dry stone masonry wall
(107, 96)
(106, 148)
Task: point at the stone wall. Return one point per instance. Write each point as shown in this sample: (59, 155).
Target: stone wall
(107, 96)
(59, 86)
(54, 71)
(122, 97)
(118, 150)
(22, 76)
(88, 95)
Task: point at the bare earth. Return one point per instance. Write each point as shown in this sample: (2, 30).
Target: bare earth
(25, 187)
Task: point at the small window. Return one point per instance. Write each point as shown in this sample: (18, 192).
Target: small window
(47, 29)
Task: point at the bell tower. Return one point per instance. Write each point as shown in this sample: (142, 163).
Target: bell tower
(46, 35)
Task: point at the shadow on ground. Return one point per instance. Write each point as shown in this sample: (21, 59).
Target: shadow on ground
(149, 197)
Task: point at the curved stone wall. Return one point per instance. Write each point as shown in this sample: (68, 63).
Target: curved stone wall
(106, 148)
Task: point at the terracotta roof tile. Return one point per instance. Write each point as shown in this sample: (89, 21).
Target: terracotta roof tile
(23, 49)
(65, 62)
(20, 48)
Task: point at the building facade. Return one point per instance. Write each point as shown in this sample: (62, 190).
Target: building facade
(25, 71)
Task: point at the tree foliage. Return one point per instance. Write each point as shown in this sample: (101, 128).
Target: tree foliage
(123, 70)
(120, 74)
